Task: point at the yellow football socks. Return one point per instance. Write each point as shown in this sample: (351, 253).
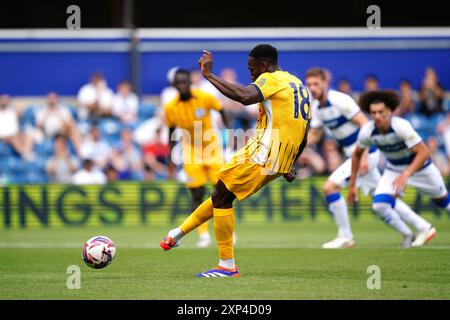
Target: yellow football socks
(203, 213)
(223, 228)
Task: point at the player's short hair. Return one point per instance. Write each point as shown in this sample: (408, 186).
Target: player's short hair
(316, 72)
(264, 52)
(388, 97)
(181, 71)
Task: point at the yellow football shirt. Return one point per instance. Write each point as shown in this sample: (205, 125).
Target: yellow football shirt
(201, 142)
(283, 117)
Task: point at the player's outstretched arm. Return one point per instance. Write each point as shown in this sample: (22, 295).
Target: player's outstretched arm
(244, 94)
(356, 160)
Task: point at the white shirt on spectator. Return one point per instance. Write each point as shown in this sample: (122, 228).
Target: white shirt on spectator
(94, 176)
(125, 106)
(9, 123)
(95, 150)
(53, 120)
(101, 94)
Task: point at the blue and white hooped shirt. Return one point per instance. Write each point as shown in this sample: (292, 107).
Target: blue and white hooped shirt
(396, 144)
(336, 116)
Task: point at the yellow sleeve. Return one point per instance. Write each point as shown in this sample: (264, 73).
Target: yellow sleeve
(267, 85)
(212, 102)
(169, 117)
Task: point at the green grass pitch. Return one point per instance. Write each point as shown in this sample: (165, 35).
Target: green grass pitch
(276, 260)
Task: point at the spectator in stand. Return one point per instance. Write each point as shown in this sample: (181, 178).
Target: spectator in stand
(169, 92)
(407, 104)
(62, 165)
(10, 132)
(111, 173)
(126, 157)
(407, 110)
(443, 129)
(198, 82)
(345, 87)
(125, 104)
(55, 119)
(93, 147)
(332, 155)
(431, 94)
(310, 163)
(95, 98)
(371, 83)
(438, 157)
(155, 157)
(89, 174)
(328, 76)
(243, 116)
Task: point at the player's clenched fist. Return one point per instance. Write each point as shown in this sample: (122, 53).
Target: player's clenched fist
(205, 62)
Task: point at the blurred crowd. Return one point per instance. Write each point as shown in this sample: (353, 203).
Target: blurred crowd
(110, 135)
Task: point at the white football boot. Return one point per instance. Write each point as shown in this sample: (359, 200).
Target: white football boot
(338, 243)
(424, 236)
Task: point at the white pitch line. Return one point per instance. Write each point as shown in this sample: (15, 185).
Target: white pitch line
(44, 245)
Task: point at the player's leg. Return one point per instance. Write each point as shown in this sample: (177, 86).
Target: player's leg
(429, 182)
(223, 212)
(338, 207)
(202, 213)
(212, 171)
(236, 180)
(203, 229)
(384, 203)
(368, 184)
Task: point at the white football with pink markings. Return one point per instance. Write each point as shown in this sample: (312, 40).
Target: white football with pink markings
(98, 252)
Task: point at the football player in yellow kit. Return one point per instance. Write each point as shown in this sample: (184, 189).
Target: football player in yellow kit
(284, 113)
(190, 111)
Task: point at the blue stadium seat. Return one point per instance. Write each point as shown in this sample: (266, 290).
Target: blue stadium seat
(44, 149)
(6, 150)
(29, 116)
(35, 177)
(146, 111)
(73, 111)
(109, 127)
(111, 140)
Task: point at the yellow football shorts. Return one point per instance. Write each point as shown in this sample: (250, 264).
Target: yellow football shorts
(244, 178)
(199, 175)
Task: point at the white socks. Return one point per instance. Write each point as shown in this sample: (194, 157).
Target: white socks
(409, 216)
(338, 207)
(227, 263)
(391, 217)
(176, 234)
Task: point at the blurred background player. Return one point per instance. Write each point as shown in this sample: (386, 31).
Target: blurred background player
(281, 137)
(190, 111)
(409, 163)
(342, 117)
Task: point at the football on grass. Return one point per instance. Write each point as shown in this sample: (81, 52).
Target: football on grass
(98, 252)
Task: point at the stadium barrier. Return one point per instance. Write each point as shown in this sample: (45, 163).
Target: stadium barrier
(39, 61)
(164, 202)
